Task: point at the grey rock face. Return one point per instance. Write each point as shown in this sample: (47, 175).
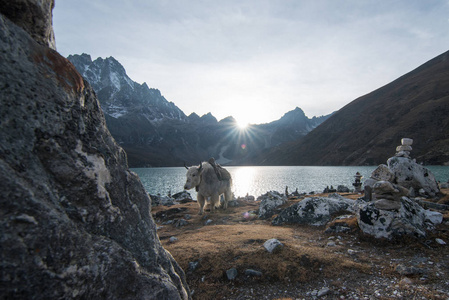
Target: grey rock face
(75, 222)
(313, 211)
(35, 16)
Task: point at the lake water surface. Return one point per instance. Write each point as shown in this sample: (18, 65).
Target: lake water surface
(256, 181)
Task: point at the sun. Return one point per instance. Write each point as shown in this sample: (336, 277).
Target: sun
(242, 124)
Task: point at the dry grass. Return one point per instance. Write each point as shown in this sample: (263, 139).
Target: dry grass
(304, 263)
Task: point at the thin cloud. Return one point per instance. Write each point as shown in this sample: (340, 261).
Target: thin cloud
(265, 56)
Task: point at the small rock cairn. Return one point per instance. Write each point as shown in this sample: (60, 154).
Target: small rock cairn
(404, 149)
(357, 182)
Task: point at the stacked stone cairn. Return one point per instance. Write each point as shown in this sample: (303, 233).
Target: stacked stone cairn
(388, 208)
(405, 148)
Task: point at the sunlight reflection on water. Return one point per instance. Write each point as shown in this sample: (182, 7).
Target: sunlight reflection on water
(256, 181)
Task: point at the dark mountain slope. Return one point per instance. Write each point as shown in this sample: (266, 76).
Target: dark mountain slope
(365, 131)
(155, 132)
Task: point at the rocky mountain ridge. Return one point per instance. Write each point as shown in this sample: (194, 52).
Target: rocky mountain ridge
(155, 132)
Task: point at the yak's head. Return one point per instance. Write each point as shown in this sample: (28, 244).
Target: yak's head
(193, 176)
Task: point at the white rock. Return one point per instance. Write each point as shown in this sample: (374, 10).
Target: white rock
(406, 142)
(316, 211)
(384, 187)
(323, 292)
(382, 172)
(404, 148)
(273, 245)
(387, 204)
(410, 174)
(351, 252)
(409, 219)
(173, 239)
(331, 244)
(269, 202)
(434, 217)
(440, 241)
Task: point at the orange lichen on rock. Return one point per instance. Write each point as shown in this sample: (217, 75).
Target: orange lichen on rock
(66, 74)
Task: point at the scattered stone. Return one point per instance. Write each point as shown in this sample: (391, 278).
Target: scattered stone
(405, 282)
(273, 245)
(193, 265)
(434, 217)
(253, 273)
(331, 244)
(323, 292)
(407, 271)
(208, 222)
(231, 274)
(340, 224)
(233, 203)
(187, 217)
(351, 252)
(440, 241)
(161, 200)
(329, 190)
(181, 222)
(342, 189)
(269, 202)
(337, 228)
(182, 197)
(173, 239)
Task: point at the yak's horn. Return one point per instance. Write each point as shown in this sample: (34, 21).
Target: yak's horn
(185, 166)
(201, 166)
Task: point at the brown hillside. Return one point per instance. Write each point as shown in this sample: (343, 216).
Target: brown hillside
(415, 105)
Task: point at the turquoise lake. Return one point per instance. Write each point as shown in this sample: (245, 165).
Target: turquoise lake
(256, 181)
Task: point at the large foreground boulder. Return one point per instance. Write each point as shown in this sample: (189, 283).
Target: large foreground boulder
(409, 174)
(74, 221)
(269, 202)
(315, 211)
(408, 219)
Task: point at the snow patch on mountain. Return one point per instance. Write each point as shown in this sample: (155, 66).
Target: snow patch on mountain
(115, 80)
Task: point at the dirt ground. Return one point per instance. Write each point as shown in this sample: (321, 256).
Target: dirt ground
(312, 264)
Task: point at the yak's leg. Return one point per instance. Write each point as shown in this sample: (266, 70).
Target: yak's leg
(227, 198)
(201, 202)
(214, 200)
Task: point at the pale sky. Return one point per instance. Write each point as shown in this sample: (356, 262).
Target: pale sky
(257, 59)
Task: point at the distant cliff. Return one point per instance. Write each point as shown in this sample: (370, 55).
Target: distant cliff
(415, 105)
(155, 132)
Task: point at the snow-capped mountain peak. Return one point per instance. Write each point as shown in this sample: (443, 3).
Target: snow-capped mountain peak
(119, 95)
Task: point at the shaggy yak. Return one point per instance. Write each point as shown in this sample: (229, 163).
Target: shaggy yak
(209, 180)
